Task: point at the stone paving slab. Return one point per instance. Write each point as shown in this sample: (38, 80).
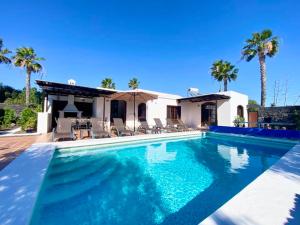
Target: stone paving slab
(11, 147)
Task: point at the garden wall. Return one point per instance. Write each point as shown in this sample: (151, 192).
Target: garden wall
(17, 108)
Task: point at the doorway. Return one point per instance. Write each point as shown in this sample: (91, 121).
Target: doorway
(118, 110)
(208, 114)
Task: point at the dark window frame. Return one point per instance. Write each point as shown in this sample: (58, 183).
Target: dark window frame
(173, 112)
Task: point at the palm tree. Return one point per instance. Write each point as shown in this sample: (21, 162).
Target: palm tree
(133, 83)
(261, 44)
(3, 52)
(108, 83)
(27, 58)
(224, 71)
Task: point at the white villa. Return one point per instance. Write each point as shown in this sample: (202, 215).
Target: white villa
(69, 100)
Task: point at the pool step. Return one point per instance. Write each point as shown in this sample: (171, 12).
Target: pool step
(78, 173)
(58, 193)
(72, 166)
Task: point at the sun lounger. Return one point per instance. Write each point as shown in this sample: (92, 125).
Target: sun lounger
(144, 127)
(182, 125)
(174, 125)
(97, 129)
(160, 126)
(121, 129)
(64, 130)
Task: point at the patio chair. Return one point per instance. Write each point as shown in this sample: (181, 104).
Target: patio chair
(172, 124)
(121, 129)
(64, 130)
(97, 129)
(144, 127)
(159, 126)
(183, 126)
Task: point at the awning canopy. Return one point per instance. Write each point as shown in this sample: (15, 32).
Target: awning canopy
(133, 95)
(67, 89)
(204, 98)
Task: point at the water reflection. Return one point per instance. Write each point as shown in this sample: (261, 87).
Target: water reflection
(238, 157)
(158, 153)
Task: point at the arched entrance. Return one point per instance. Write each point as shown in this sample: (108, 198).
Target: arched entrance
(208, 114)
(142, 112)
(118, 110)
(240, 111)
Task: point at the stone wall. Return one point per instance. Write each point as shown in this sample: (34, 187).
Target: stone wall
(282, 114)
(17, 108)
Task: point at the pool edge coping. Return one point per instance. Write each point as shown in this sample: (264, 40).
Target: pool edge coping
(268, 199)
(19, 187)
(39, 148)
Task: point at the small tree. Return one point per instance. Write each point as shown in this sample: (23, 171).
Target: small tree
(9, 117)
(108, 83)
(28, 119)
(27, 58)
(253, 106)
(133, 83)
(224, 71)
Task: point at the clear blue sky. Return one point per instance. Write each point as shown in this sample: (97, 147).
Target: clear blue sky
(168, 45)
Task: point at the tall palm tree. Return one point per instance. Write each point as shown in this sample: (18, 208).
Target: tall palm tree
(108, 83)
(3, 52)
(26, 58)
(224, 71)
(133, 83)
(261, 44)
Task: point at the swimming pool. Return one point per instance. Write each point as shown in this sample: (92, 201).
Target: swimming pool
(159, 182)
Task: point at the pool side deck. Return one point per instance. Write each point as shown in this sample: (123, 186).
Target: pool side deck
(272, 198)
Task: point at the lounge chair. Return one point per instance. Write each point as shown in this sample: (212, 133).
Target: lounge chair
(184, 127)
(64, 130)
(159, 126)
(144, 127)
(97, 129)
(121, 129)
(171, 124)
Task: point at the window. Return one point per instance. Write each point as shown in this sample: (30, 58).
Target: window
(173, 112)
(240, 111)
(142, 112)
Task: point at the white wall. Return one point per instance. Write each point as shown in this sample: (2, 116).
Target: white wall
(191, 114)
(228, 110)
(44, 122)
(157, 108)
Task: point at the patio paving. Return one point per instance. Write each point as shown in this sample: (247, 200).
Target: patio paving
(11, 147)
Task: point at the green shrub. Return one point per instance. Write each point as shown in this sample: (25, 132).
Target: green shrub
(28, 119)
(8, 118)
(239, 121)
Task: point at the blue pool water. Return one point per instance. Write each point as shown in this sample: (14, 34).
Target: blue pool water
(163, 182)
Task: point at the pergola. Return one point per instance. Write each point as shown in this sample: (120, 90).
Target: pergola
(206, 98)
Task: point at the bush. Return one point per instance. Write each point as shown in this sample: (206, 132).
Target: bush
(8, 118)
(28, 119)
(239, 121)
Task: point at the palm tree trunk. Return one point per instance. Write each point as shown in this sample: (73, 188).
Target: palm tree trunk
(225, 84)
(263, 79)
(27, 92)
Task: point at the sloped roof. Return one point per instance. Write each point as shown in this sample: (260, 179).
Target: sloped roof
(67, 89)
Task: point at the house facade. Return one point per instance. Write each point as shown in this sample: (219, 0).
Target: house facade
(69, 100)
